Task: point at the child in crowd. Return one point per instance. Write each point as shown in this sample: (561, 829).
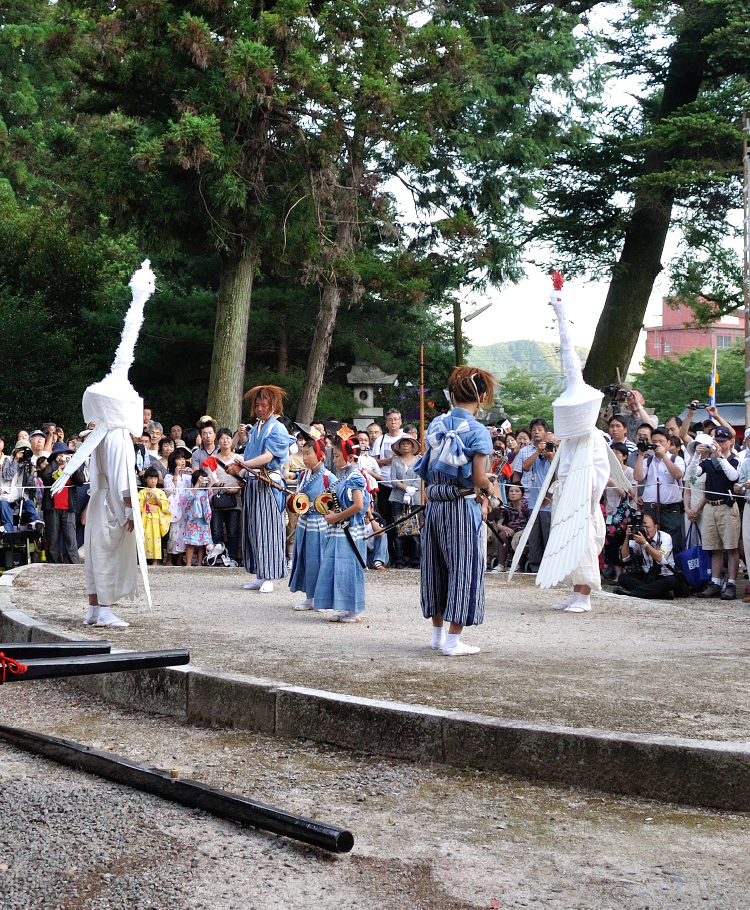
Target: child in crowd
(341, 580)
(155, 515)
(177, 485)
(198, 513)
(310, 535)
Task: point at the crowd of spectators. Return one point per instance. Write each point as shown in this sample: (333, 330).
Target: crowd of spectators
(683, 474)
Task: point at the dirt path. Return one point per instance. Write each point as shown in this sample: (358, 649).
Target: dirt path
(676, 668)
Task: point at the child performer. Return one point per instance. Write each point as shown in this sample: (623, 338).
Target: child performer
(177, 484)
(155, 515)
(341, 580)
(198, 511)
(310, 535)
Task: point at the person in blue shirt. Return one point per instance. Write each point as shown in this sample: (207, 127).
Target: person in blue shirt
(268, 448)
(454, 468)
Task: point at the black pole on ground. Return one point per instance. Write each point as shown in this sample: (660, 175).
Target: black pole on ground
(57, 667)
(20, 650)
(191, 793)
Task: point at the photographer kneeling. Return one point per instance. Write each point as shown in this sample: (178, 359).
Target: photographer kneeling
(649, 551)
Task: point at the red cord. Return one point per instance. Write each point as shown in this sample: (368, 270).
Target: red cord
(7, 663)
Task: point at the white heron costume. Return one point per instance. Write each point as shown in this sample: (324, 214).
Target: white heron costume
(112, 553)
(581, 468)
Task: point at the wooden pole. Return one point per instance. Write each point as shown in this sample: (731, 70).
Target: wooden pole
(421, 397)
(458, 345)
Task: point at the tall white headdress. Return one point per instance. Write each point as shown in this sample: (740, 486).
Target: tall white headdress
(113, 403)
(576, 410)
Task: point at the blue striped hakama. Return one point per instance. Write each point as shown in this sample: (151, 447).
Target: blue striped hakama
(309, 535)
(264, 544)
(453, 549)
(341, 580)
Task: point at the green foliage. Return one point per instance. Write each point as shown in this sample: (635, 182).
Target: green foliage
(670, 384)
(524, 396)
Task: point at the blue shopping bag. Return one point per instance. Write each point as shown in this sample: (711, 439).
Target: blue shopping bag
(694, 561)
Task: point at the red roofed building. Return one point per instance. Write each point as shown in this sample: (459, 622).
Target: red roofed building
(674, 337)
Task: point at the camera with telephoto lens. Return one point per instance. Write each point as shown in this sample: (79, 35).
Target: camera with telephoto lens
(635, 523)
(26, 455)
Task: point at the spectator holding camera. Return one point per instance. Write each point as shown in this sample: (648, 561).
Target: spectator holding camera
(540, 531)
(18, 490)
(525, 461)
(721, 517)
(661, 475)
(60, 508)
(635, 410)
(648, 559)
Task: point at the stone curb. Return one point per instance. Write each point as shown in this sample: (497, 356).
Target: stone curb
(688, 771)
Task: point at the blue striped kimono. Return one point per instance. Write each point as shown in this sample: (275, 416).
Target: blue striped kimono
(309, 535)
(264, 541)
(341, 580)
(453, 551)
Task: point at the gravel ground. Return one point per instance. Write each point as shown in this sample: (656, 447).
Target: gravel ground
(676, 668)
(426, 837)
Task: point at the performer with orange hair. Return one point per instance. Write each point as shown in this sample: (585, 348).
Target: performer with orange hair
(453, 550)
(268, 448)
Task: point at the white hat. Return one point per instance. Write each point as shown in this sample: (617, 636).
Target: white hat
(577, 409)
(113, 401)
(702, 439)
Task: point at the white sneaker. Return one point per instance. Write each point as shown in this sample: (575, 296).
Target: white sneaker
(107, 618)
(266, 587)
(254, 585)
(305, 605)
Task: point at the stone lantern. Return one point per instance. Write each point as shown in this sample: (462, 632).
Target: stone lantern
(364, 379)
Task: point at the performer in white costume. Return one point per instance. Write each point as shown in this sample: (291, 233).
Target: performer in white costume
(112, 549)
(581, 468)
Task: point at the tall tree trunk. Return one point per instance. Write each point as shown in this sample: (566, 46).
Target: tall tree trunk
(640, 261)
(283, 353)
(226, 384)
(316, 364)
(331, 300)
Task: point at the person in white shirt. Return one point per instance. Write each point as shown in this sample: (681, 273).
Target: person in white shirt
(383, 454)
(661, 475)
(649, 562)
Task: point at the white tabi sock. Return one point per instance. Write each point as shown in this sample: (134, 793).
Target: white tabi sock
(92, 616)
(454, 647)
(438, 637)
(581, 604)
(266, 586)
(564, 604)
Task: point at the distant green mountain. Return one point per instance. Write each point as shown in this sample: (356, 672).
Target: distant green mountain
(529, 356)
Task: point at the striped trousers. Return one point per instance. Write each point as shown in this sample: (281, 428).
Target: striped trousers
(264, 544)
(453, 560)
